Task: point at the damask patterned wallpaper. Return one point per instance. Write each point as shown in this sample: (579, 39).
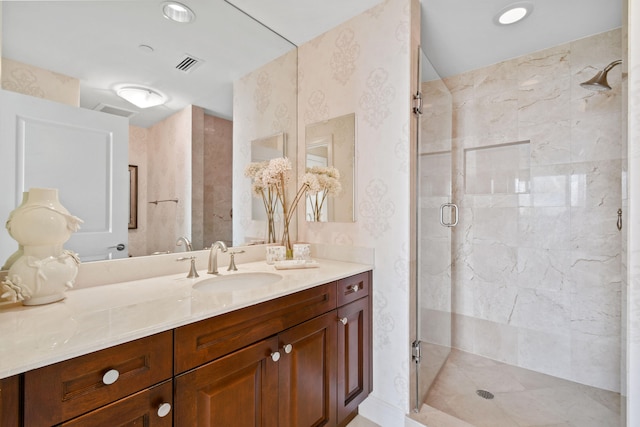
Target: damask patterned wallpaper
(364, 67)
(34, 81)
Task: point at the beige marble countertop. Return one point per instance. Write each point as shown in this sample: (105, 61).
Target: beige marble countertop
(98, 317)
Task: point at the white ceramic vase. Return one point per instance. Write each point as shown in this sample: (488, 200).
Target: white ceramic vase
(45, 270)
(17, 254)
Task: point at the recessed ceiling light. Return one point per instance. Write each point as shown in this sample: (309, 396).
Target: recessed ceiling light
(141, 97)
(177, 12)
(513, 13)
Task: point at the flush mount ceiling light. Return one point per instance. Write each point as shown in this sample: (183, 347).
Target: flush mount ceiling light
(141, 97)
(513, 13)
(177, 12)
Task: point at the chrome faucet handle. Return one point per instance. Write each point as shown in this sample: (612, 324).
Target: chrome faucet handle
(192, 270)
(232, 262)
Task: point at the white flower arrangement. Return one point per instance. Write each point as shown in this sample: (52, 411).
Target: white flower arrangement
(322, 182)
(270, 179)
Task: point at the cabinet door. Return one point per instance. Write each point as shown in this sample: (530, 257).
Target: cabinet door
(240, 390)
(308, 373)
(10, 402)
(149, 408)
(354, 357)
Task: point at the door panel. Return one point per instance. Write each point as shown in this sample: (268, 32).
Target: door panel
(437, 217)
(82, 153)
(308, 372)
(353, 356)
(239, 390)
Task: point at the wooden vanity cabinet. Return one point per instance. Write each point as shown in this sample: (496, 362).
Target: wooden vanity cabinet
(311, 367)
(286, 379)
(206, 340)
(354, 349)
(296, 361)
(10, 402)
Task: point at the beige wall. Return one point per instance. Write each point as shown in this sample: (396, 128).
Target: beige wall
(138, 147)
(34, 81)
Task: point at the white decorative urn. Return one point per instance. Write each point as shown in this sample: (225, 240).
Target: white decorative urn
(45, 270)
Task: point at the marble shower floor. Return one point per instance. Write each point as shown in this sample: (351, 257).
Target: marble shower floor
(522, 398)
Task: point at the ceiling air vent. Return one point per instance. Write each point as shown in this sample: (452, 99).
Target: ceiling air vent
(188, 63)
(117, 111)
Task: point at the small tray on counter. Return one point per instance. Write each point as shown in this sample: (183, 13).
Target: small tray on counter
(290, 264)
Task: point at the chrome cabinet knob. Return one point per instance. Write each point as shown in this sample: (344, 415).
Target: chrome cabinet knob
(110, 377)
(288, 348)
(275, 356)
(164, 409)
(343, 320)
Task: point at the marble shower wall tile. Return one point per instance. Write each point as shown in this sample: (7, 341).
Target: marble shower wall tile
(538, 271)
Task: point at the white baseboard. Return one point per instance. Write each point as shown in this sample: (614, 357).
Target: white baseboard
(382, 413)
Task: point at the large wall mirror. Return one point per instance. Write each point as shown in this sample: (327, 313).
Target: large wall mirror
(79, 53)
(331, 143)
(263, 150)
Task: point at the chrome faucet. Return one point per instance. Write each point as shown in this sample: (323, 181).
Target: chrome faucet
(213, 256)
(187, 243)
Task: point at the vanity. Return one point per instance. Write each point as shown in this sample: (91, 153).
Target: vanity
(163, 352)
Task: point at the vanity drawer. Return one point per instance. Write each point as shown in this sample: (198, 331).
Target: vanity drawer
(353, 288)
(152, 407)
(209, 339)
(64, 390)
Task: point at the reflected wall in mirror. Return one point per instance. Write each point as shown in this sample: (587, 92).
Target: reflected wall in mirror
(262, 150)
(265, 103)
(183, 148)
(332, 143)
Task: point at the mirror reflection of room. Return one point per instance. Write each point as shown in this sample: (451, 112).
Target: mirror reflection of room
(182, 147)
(331, 144)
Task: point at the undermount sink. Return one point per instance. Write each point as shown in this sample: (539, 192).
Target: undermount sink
(237, 281)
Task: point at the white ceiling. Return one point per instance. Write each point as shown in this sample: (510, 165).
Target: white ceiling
(459, 35)
(97, 41)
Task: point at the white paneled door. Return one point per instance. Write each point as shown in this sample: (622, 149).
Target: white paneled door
(82, 153)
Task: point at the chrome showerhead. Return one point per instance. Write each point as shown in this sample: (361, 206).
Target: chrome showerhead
(599, 81)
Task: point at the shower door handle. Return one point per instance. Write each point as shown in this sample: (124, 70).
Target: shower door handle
(454, 208)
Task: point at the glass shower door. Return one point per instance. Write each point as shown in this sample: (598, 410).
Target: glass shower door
(436, 217)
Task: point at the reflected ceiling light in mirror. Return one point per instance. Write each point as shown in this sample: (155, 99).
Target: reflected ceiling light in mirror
(141, 97)
(515, 12)
(177, 12)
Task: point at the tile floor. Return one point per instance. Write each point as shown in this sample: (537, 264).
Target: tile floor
(522, 398)
(360, 421)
